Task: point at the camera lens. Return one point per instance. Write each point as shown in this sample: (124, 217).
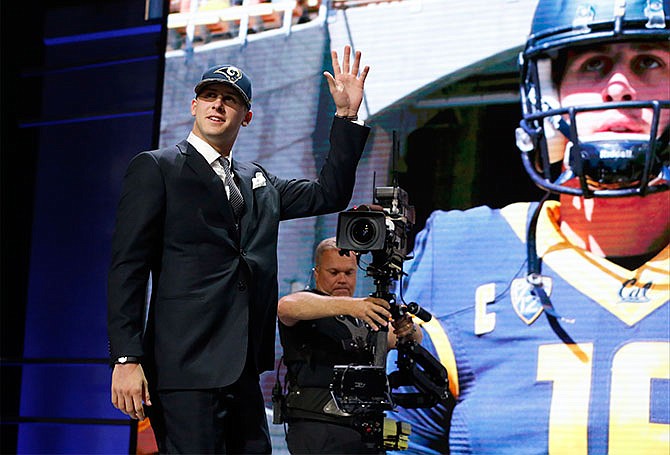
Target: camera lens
(363, 231)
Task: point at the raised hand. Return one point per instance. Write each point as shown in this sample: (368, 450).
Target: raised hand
(346, 85)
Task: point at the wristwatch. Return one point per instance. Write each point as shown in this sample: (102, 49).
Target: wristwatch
(127, 359)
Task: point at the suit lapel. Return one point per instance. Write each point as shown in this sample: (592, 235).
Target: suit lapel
(214, 184)
(244, 175)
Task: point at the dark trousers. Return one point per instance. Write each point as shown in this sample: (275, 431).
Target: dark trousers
(228, 420)
(309, 436)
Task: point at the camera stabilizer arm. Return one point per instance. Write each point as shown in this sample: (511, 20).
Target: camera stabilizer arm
(365, 391)
(416, 366)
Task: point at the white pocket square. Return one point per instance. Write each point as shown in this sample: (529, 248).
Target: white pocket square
(258, 181)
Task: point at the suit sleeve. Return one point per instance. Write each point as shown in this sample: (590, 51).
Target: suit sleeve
(333, 189)
(136, 249)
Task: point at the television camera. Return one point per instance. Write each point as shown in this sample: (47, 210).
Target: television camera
(366, 391)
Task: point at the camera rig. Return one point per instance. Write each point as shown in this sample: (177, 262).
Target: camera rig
(366, 391)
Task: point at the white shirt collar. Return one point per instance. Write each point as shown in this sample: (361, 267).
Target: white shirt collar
(206, 150)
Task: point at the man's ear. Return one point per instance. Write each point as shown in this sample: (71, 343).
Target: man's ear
(247, 118)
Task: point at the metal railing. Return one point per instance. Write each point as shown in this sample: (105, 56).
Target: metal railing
(204, 22)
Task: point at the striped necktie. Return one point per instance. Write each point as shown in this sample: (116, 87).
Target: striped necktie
(234, 195)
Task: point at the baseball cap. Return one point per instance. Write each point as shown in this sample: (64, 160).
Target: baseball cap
(227, 74)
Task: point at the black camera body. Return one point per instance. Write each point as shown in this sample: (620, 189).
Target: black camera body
(382, 229)
(361, 230)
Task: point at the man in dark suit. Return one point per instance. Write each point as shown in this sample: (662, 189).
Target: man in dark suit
(208, 239)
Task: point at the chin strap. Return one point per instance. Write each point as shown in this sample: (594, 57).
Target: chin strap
(534, 276)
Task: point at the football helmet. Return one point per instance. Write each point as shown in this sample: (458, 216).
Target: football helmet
(554, 155)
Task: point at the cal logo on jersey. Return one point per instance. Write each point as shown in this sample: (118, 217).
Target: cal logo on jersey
(525, 303)
(632, 291)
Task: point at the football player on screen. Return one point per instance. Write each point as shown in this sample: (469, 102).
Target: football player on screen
(552, 318)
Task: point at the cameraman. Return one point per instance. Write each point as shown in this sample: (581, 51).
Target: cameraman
(320, 328)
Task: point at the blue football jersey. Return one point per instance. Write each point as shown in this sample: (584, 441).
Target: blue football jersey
(595, 381)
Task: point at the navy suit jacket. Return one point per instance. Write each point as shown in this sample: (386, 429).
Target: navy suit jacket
(214, 287)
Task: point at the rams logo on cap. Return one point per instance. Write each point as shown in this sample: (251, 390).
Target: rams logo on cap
(230, 72)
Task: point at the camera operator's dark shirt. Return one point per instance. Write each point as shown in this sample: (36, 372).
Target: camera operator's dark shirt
(313, 347)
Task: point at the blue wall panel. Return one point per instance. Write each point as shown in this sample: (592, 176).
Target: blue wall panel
(69, 391)
(89, 103)
(43, 438)
(79, 175)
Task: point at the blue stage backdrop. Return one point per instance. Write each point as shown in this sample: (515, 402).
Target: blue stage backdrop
(99, 77)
